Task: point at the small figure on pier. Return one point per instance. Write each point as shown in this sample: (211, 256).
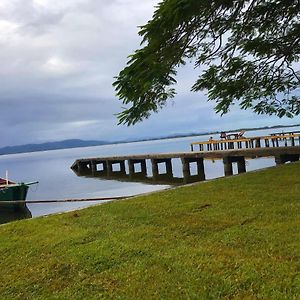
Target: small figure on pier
(236, 135)
(210, 145)
(223, 135)
(241, 134)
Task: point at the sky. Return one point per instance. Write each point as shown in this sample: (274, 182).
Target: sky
(58, 62)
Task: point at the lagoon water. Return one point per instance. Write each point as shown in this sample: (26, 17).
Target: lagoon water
(58, 181)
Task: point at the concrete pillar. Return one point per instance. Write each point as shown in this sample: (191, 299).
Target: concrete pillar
(241, 163)
(169, 168)
(104, 167)
(109, 169)
(144, 166)
(200, 169)
(93, 167)
(186, 168)
(82, 167)
(228, 171)
(79, 167)
(122, 167)
(281, 159)
(155, 171)
(131, 167)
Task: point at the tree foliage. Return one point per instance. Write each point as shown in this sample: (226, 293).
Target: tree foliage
(248, 52)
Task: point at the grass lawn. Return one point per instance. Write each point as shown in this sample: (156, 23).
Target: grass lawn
(231, 238)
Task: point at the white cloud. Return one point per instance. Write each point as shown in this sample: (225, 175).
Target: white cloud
(58, 66)
(7, 31)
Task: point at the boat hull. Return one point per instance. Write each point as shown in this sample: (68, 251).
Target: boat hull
(16, 192)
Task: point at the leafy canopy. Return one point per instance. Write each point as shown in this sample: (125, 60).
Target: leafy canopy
(248, 51)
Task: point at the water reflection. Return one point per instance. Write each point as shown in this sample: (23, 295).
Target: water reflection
(141, 177)
(9, 214)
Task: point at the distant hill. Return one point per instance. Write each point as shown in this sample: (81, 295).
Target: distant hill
(76, 143)
(65, 144)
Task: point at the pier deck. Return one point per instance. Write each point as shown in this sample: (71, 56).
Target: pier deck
(268, 141)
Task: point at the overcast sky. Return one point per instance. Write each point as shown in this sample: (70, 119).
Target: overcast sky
(58, 60)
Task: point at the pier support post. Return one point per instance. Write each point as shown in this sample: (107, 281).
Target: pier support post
(122, 167)
(155, 171)
(200, 169)
(228, 171)
(169, 168)
(132, 162)
(131, 167)
(155, 168)
(104, 167)
(187, 177)
(241, 164)
(82, 167)
(186, 168)
(143, 166)
(281, 159)
(109, 168)
(93, 167)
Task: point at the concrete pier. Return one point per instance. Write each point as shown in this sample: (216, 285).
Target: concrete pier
(116, 166)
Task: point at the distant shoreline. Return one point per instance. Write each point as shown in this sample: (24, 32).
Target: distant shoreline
(77, 143)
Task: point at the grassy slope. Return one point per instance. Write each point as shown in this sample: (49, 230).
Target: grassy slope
(230, 238)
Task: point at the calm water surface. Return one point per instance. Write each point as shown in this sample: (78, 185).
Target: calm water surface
(57, 180)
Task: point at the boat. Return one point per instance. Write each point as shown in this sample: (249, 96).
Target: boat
(13, 194)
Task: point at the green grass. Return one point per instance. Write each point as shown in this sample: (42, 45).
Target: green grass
(231, 238)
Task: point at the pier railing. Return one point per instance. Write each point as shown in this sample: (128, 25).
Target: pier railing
(291, 139)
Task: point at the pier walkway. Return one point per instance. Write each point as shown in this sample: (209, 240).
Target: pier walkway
(278, 140)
